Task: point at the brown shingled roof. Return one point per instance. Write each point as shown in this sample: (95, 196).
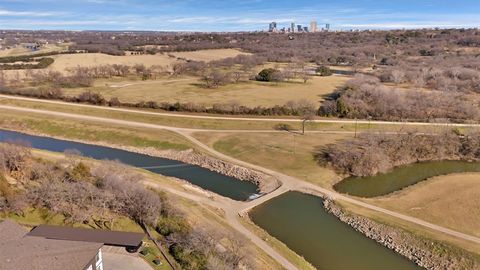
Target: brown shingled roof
(22, 252)
(111, 238)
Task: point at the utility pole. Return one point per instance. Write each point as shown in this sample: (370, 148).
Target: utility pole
(294, 144)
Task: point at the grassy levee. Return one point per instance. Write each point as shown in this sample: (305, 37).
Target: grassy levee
(452, 201)
(92, 132)
(217, 124)
(288, 153)
(452, 245)
(154, 119)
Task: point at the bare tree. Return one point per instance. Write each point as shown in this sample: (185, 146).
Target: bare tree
(307, 116)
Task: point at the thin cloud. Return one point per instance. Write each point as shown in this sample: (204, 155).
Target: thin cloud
(5, 12)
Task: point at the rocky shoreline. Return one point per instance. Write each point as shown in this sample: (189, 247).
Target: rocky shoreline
(265, 183)
(413, 248)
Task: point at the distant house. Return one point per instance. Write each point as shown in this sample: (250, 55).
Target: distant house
(58, 248)
(31, 46)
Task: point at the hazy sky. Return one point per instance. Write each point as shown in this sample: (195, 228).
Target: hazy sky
(227, 15)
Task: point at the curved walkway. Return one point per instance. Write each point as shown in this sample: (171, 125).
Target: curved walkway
(234, 209)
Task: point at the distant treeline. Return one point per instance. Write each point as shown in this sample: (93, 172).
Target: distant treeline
(34, 61)
(39, 64)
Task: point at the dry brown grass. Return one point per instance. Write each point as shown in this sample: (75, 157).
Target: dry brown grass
(65, 61)
(452, 201)
(284, 152)
(209, 55)
(20, 50)
(189, 89)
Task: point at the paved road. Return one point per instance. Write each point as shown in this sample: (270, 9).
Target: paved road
(234, 209)
(261, 119)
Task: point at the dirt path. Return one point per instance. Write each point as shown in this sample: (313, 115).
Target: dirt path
(146, 82)
(193, 116)
(234, 209)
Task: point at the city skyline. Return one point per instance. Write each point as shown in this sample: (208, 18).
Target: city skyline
(247, 15)
(312, 27)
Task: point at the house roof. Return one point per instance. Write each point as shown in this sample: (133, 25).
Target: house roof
(10, 230)
(111, 238)
(19, 251)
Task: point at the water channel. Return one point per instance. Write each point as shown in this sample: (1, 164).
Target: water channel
(401, 177)
(321, 238)
(209, 180)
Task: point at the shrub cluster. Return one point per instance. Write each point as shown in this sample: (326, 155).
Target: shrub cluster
(365, 97)
(370, 154)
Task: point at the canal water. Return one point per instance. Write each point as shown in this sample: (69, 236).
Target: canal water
(322, 239)
(209, 180)
(401, 177)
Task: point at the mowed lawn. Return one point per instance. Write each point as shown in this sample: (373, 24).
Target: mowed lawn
(452, 201)
(284, 152)
(189, 89)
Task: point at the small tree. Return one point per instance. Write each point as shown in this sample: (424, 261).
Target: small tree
(324, 71)
(236, 76)
(269, 75)
(306, 110)
(307, 116)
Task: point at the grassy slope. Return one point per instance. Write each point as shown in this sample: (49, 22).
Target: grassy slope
(285, 152)
(198, 123)
(452, 201)
(79, 130)
(454, 244)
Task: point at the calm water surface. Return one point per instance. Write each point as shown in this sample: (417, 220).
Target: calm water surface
(300, 221)
(401, 177)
